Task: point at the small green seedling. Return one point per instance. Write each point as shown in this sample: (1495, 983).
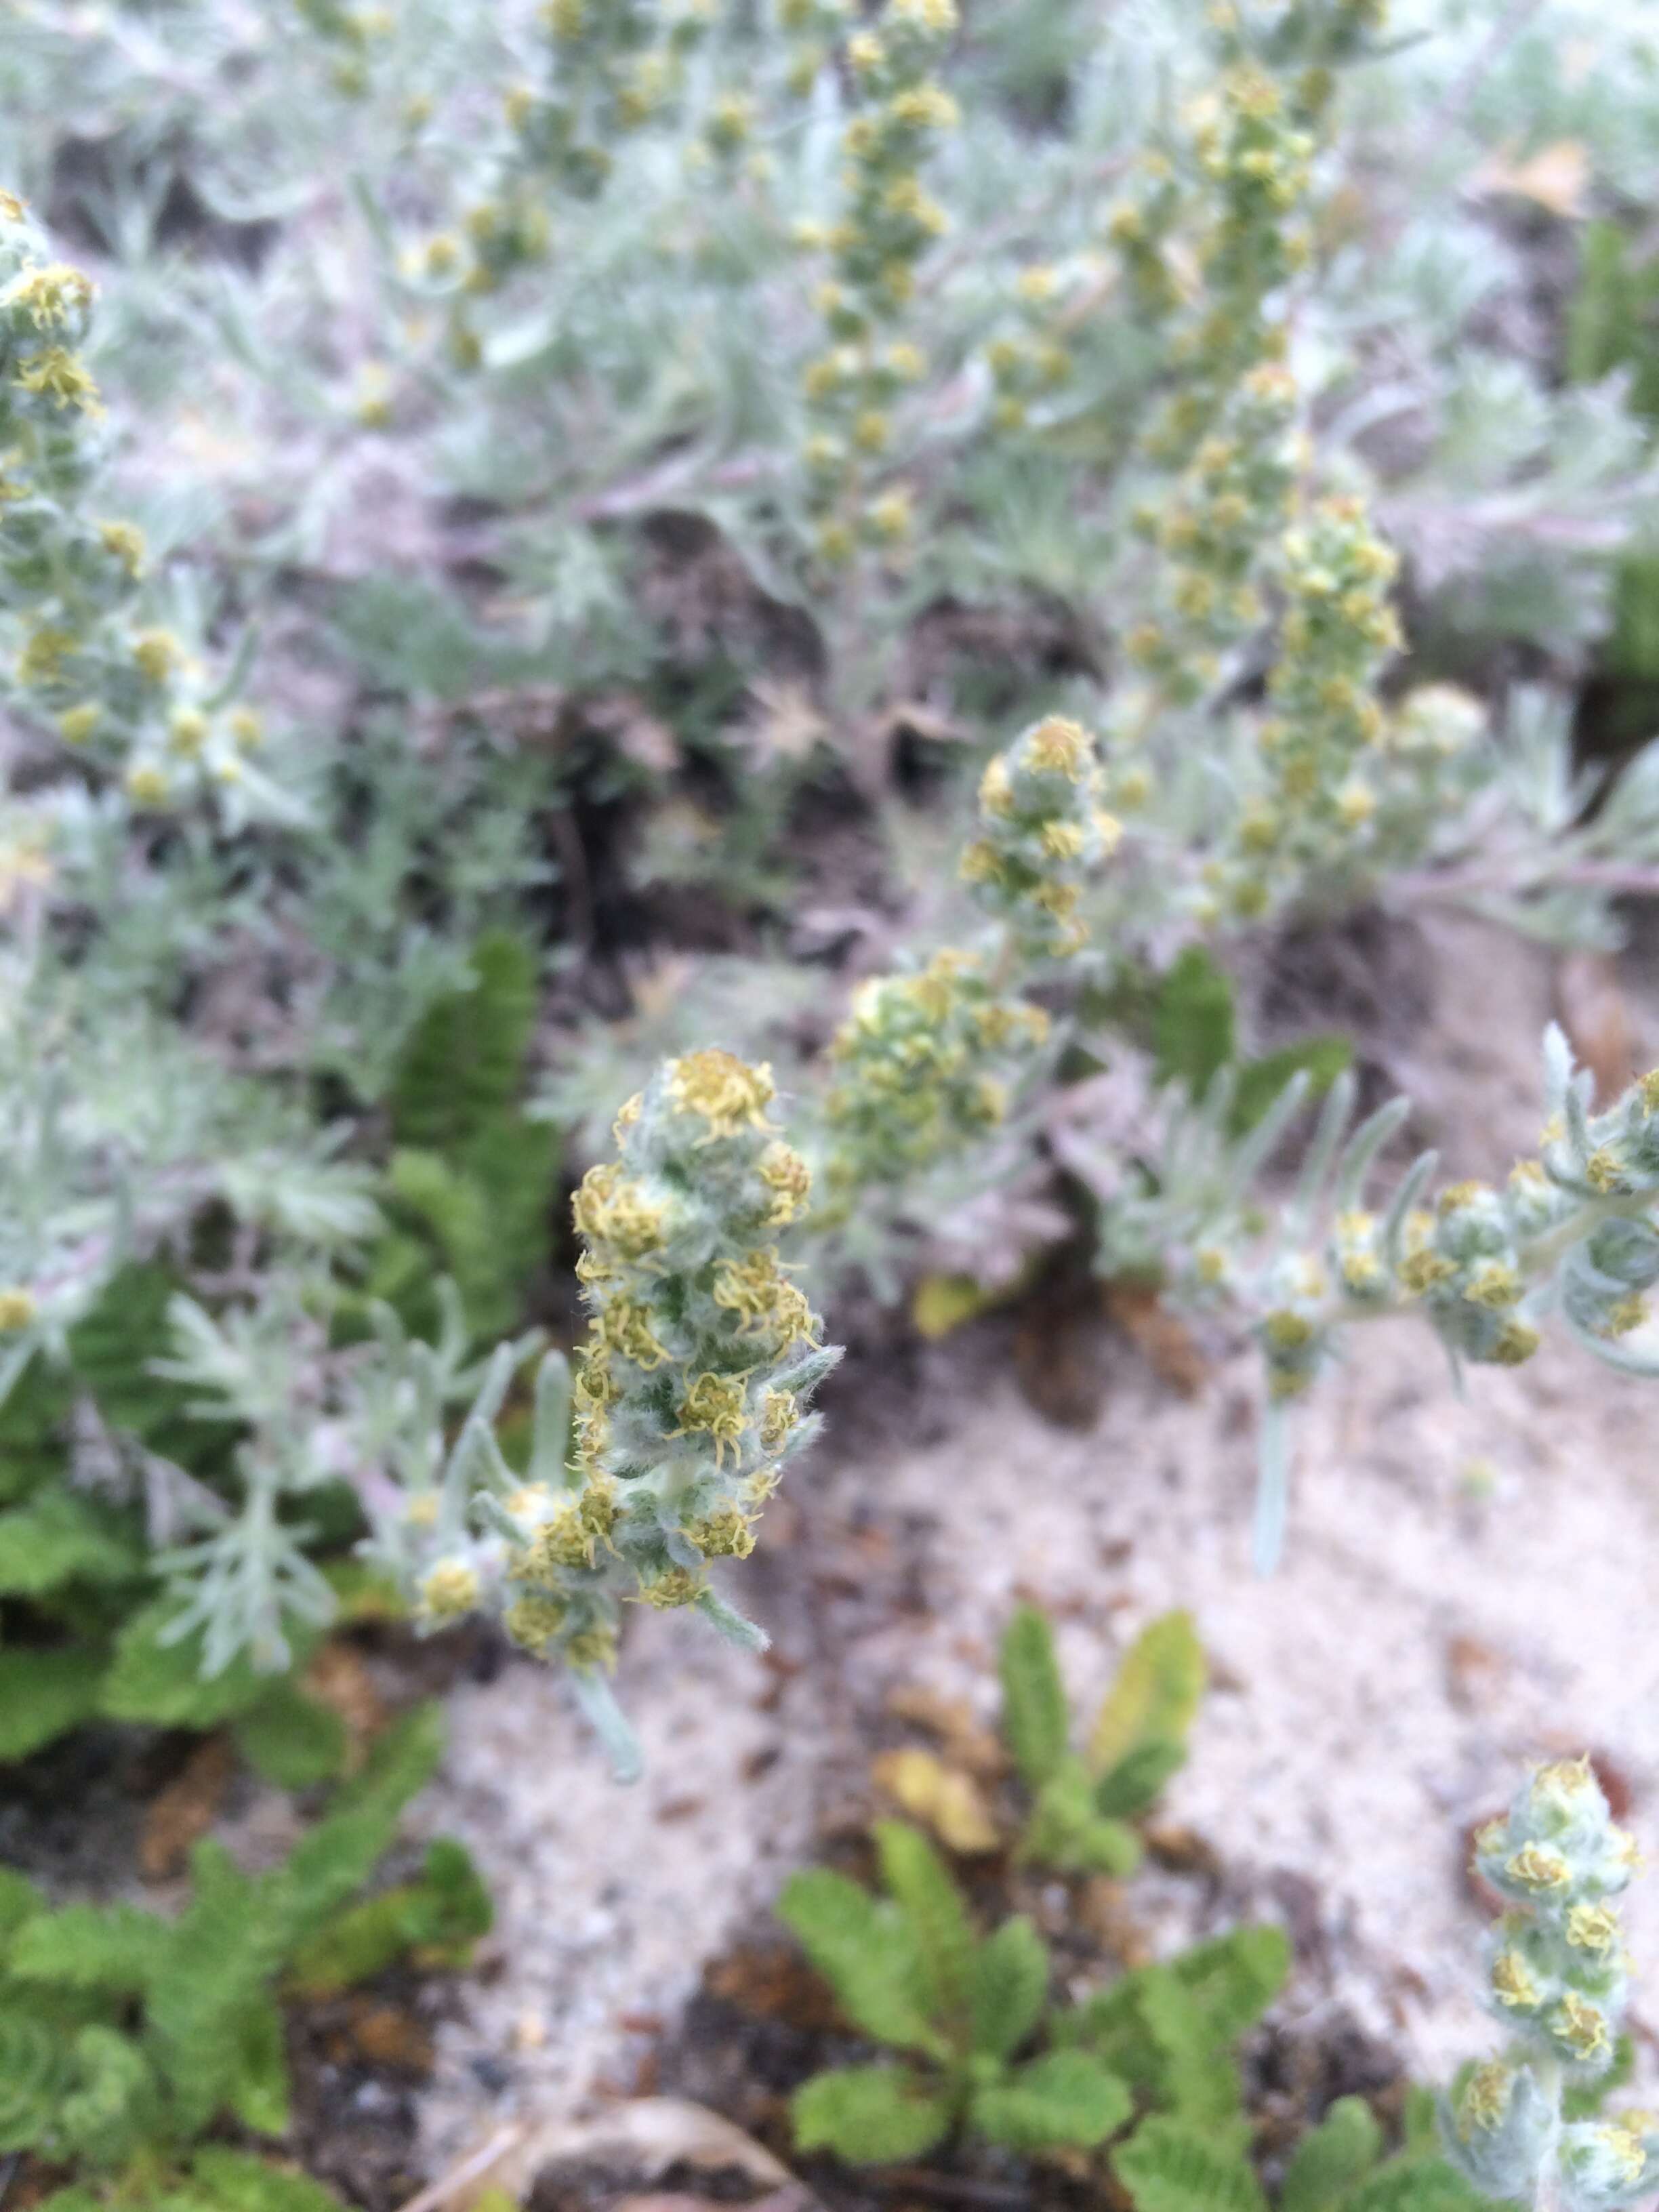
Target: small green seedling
(965, 2011)
(1083, 1801)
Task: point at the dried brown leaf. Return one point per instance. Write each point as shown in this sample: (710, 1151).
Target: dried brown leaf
(1162, 1339)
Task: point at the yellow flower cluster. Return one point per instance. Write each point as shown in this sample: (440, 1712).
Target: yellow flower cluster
(923, 1066)
(703, 1352)
(1556, 1980)
(887, 224)
(609, 68)
(1215, 533)
(1315, 799)
(813, 29)
(78, 659)
(1031, 361)
(1043, 832)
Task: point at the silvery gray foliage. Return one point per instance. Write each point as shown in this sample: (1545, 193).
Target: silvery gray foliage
(373, 1415)
(1572, 1232)
(120, 1129)
(1556, 1979)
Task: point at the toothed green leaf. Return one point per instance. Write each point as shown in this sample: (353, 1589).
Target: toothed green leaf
(1330, 2160)
(920, 1884)
(1167, 2166)
(1155, 1693)
(1034, 1717)
(868, 2115)
(1007, 1988)
(867, 1952)
(1065, 2099)
(44, 1694)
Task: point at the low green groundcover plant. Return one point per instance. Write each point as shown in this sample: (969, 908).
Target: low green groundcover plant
(127, 2037)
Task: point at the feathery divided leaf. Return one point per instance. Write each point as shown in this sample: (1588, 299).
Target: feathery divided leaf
(866, 1952)
(464, 1063)
(1235, 1977)
(1065, 2098)
(869, 2114)
(225, 2180)
(1067, 1831)
(59, 1537)
(920, 1884)
(1134, 1783)
(35, 2069)
(44, 1693)
(1332, 2159)
(158, 1680)
(1167, 2166)
(111, 2101)
(113, 1947)
(292, 1740)
(1007, 1987)
(439, 1916)
(1416, 2183)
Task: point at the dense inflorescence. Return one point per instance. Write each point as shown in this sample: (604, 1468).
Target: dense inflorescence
(692, 1392)
(1557, 1981)
(1044, 831)
(84, 657)
(923, 1067)
(887, 222)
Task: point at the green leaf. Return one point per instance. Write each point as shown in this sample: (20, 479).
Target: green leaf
(1197, 2079)
(1330, 2160)
(1065, 1831)
(1415, 2184)
(920, 1884)
(1034, 1717)
(152, 1680)
(44, 1694)
(112, 2102)
(58, 1537)
(33, 1415)
(1065, 2098)
(868, 2115)
(334, 1859)
(1235, 1977)
(291, 1740)
(1169, 2167)
(1193, 1023)
(1321, 1059)
(110, 1351)
(464, 1063)
(259, 2094)
(234, 1936)
(867, 1954)
(35, 2072)
(226, 1947)
(1134, 1783)
(237, 2181)
(1007, 1988)
(1156, 1695)
(115, 1947)
(1610, 316)
(440, 1917)
(19, 1900)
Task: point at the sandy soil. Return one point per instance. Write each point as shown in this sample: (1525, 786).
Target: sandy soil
(1467, 1587)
